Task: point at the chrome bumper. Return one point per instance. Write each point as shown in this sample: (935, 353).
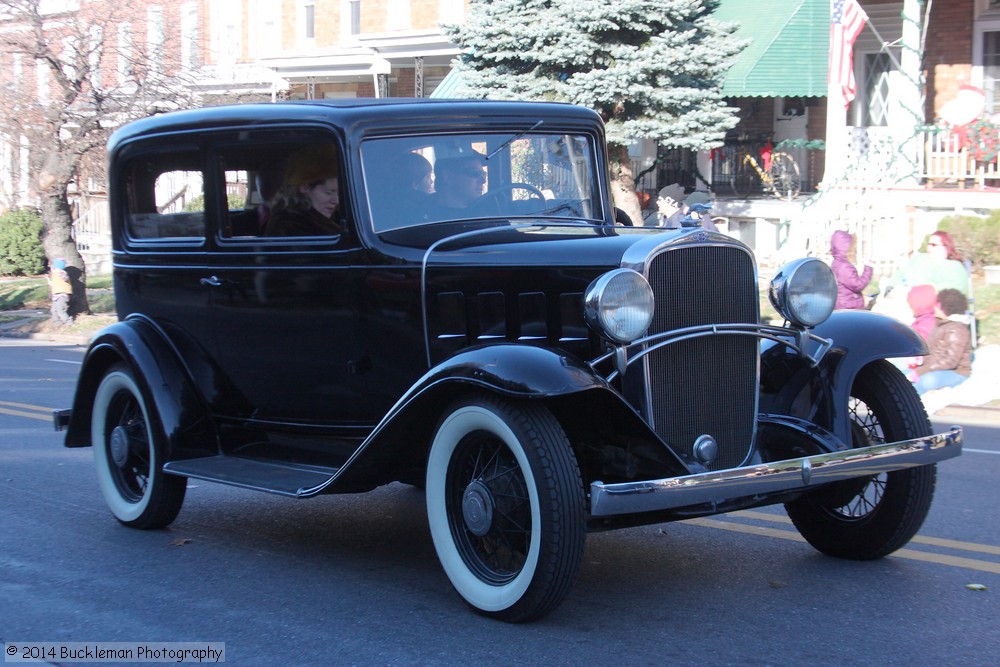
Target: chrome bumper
(788, 475)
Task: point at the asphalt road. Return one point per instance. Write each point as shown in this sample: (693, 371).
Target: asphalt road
(353, 580)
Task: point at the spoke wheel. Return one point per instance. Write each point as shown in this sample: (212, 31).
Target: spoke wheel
(505, 507)
(785, 178)
(128, 455)
(870, 517)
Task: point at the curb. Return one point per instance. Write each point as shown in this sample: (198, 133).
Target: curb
(51, 337)
(6, 331)
(972, 414)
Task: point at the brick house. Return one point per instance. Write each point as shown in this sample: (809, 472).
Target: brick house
(890, 167)
(313, 49)
(301, 49)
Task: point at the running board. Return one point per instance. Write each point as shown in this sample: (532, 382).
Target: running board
(285, 479)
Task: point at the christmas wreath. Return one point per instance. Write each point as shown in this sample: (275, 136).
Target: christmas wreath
(981, 137)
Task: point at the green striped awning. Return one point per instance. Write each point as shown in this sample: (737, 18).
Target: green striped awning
(788, 52)
(787, 55)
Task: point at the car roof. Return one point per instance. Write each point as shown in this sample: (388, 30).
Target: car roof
(348, 113)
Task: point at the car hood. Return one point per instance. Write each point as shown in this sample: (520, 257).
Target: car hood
(538, 245)
(526, 283)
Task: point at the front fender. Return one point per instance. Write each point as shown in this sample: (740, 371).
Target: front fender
(180, 413)
(791, 386)
(517, 370)
(399, 444)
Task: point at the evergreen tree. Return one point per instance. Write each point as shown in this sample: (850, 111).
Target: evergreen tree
(653, 69)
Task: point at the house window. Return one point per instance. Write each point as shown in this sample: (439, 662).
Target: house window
(125, 53)
(189, 35)
(17, 70)
(155, 37)
(42, 82)
(226, 31)
(310, 19)
(267, 36)
(991, 70)
(878, 67)
(398, 15)
(355, 16)
(96, 39)
(452, 11)
(68, 57)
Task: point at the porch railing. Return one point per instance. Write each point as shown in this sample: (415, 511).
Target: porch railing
(948, 160)
(95, 221)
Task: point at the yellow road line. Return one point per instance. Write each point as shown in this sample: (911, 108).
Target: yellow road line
(29, 415)
(27, 406)
(941, 559)
(919, 539)
(955, 561)
(43, 413)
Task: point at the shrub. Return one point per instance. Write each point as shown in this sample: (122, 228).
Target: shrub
(21, 252)
(977, 239)
(198, 203)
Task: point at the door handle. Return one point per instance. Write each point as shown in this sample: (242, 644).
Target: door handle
(211, 281)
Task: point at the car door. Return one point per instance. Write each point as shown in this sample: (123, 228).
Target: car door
(285, 308)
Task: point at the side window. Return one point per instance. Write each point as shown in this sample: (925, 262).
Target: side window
(166, 197)
(282, 184)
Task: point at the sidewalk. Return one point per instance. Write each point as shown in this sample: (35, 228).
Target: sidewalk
(967, 415)
(35, 324)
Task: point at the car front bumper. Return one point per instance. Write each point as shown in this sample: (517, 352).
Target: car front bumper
(768, 478)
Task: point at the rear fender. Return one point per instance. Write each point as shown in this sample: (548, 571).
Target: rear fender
(791, 386)
(181, 414)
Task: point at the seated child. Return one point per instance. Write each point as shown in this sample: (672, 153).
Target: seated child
(950, 360)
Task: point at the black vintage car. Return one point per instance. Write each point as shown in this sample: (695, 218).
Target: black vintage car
(470, 316)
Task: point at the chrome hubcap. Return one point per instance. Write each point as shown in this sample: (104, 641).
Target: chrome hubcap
(119, 446)
(477, 508)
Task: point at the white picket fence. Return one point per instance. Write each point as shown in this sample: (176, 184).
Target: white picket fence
(946, 162)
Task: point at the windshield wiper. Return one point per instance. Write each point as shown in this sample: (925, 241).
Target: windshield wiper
(512, 140)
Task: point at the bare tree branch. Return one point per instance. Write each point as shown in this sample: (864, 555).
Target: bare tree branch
(70, 77)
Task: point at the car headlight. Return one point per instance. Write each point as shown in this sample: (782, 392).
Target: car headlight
(804, 292)
(619, 305)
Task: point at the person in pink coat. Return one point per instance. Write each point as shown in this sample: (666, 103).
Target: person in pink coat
(922, 300)
(850, 281)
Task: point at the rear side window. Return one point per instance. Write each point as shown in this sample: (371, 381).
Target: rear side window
(282, 185)
(273, 185)
(165, 197)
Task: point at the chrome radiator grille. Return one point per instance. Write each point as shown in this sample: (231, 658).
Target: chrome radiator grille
(705, 385)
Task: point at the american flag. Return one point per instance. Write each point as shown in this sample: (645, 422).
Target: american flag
(847, 21)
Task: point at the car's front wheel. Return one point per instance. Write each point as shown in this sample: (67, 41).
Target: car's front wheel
(128, 452)
(870, 517)
(505, 506)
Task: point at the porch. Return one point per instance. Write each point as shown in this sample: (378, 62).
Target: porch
(889, 203)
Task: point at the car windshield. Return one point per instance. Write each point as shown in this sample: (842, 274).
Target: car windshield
(413, 181)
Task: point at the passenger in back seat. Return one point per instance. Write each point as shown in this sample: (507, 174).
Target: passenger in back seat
(307, 204)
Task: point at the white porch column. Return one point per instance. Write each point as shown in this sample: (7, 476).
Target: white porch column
(836, 128)
(910, 113)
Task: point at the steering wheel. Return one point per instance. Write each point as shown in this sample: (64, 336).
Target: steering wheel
(494, 195)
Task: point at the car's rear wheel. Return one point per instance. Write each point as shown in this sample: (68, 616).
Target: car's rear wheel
(128, 451)
(505, 506)
(870, 517)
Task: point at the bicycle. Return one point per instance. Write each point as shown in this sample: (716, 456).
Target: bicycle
(780, 177)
